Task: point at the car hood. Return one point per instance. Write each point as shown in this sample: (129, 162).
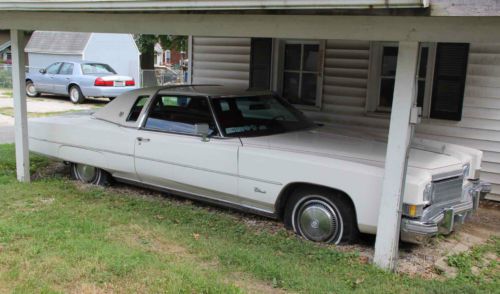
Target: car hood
(324, 142)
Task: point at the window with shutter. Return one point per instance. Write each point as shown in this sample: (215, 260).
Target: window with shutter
(260, 63)
(449, 81)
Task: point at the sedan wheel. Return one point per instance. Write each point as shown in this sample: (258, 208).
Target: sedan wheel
(321, 215)
(31, 90)
(317, 220)
(75, 95)
(89, 174)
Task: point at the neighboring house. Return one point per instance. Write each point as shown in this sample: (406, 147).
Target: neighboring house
(169, 57)
(117, 50)
(4, 46)
(351, 83)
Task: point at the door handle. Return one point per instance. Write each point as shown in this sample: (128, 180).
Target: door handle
(141, 139)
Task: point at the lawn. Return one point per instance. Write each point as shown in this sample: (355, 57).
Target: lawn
(59, 236)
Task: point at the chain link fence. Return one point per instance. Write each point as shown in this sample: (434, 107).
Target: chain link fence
(6, 74)
(153, 77)
(161, 76)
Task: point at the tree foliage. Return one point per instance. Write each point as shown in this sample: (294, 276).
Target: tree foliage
(146, 44)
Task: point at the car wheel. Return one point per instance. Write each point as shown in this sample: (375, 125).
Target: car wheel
(31, 90)
(321, 215)
(89, 175)
(76, 95)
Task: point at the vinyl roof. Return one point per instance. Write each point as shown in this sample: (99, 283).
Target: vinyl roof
(57, 42)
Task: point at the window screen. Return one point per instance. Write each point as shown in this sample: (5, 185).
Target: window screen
(180, 114)
(449, 81)
(137, 108)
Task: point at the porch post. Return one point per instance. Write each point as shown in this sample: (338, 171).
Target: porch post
(20, 110)
(400, 133)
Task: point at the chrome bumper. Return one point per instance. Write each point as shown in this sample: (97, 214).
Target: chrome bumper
(443, 218)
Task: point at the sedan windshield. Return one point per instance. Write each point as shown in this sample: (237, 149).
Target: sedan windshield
(97, 68)
(258, 116)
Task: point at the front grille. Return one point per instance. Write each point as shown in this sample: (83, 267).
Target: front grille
(447, 190)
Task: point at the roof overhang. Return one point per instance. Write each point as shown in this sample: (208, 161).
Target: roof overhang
(175, 5)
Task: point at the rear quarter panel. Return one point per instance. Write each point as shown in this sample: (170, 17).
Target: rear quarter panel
(83, 139)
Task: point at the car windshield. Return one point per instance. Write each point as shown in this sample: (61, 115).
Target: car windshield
(258, 116)
(97, 68)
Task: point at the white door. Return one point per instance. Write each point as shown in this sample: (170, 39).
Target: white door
(170, 154)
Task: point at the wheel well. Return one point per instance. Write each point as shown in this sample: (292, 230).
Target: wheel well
(290, 188)
(71, 85)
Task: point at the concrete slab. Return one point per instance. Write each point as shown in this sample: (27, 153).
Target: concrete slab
(44, 105)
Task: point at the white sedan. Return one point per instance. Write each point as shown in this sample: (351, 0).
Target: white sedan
(253, 151)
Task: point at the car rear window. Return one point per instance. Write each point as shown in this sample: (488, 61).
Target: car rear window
(137, 108)
(97, 68)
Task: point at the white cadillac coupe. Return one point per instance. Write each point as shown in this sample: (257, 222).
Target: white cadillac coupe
(253, 151)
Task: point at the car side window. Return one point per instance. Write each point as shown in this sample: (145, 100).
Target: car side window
(137, 108)
(54, 68)
(180, 114)
(66, 69)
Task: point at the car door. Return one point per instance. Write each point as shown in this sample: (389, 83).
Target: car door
(46, 80)
(170, 153)
(62, 79)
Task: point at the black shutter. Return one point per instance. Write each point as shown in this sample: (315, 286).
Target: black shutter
(260, 63)
(449, 81)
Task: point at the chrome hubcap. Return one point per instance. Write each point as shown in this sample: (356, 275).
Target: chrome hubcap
(318, 221)
(74, 94)
(86, 173)
(30, 88)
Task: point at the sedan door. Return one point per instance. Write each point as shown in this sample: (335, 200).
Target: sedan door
(46, 80)
(62, 79)
(171, 153)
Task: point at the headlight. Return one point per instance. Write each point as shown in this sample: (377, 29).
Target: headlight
(428, 192)
(466, 170)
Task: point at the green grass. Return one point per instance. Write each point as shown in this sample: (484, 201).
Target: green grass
(56, 236)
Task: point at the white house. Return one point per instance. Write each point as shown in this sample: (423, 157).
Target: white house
(117, 50)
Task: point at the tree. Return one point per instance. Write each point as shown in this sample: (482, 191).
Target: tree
(178, 43)
(146, 45)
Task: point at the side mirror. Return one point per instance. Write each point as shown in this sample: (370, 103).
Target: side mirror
(202, 130)
(43, 71)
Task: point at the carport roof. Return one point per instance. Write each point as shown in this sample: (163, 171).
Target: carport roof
(131, 5)
(57, 42)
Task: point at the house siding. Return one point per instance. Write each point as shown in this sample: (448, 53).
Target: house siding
(345, 86)
(221, 61)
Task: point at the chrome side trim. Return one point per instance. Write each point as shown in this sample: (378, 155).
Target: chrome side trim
(209, 170)
(165, 162)
(83, 147)
(202, 198)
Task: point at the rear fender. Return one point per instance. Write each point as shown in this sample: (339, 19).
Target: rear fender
(81, 155)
